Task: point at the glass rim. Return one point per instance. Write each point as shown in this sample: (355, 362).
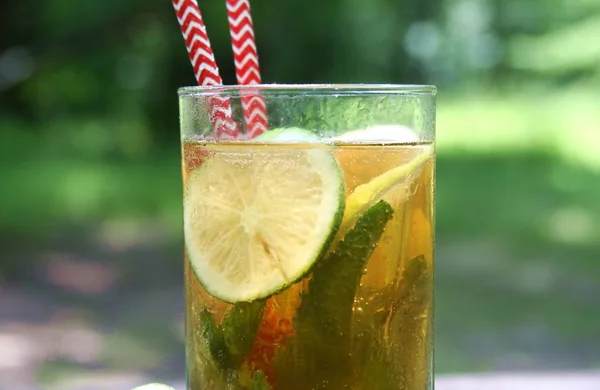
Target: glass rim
(308, 89)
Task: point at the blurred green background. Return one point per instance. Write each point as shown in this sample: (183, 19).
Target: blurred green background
(90, 191)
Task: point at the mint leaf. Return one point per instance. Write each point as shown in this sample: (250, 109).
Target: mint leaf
(334, 283)
(415, 291)
(410, 324)
(259, 382)
(400, 360)
(232, 340)
(204, 357)
(239, 328)
(214, 338)
(319, 354)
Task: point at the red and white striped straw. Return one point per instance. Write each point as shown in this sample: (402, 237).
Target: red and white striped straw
(204, 64)
(246, 64)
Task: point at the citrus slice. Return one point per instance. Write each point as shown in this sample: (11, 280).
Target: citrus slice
(379, 134)
(256, 218)
(367, 194)
(288, 135)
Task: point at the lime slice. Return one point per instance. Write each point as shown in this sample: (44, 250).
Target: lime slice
(368, 193)
(257, 218)
(288, 135)
(379, 134)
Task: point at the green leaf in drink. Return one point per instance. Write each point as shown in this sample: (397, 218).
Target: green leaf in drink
(409, 321)
(232, 340)
(206, 349)
(259, 382)
(334, 283)
(387, 365)
(239, 329)
(319, 354)
(214, 338)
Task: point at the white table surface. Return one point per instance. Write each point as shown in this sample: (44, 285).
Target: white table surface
(584, 380)
(521, 381)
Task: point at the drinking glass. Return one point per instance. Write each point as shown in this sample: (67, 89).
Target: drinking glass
(309, 247)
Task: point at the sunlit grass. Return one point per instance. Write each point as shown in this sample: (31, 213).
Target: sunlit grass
(566, 125)
(39, 194)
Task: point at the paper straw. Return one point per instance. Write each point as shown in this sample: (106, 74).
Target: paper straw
(204, 64)
(246, 64)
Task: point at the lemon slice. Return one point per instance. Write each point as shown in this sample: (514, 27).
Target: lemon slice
(256, 218)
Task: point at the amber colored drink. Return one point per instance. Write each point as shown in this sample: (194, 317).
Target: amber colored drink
(374, 335)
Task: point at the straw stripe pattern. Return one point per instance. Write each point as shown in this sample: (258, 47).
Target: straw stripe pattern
(246, 64)
(197, 43)
(204, 64)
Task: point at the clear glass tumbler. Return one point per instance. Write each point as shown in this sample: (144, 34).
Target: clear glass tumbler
(309, 247)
